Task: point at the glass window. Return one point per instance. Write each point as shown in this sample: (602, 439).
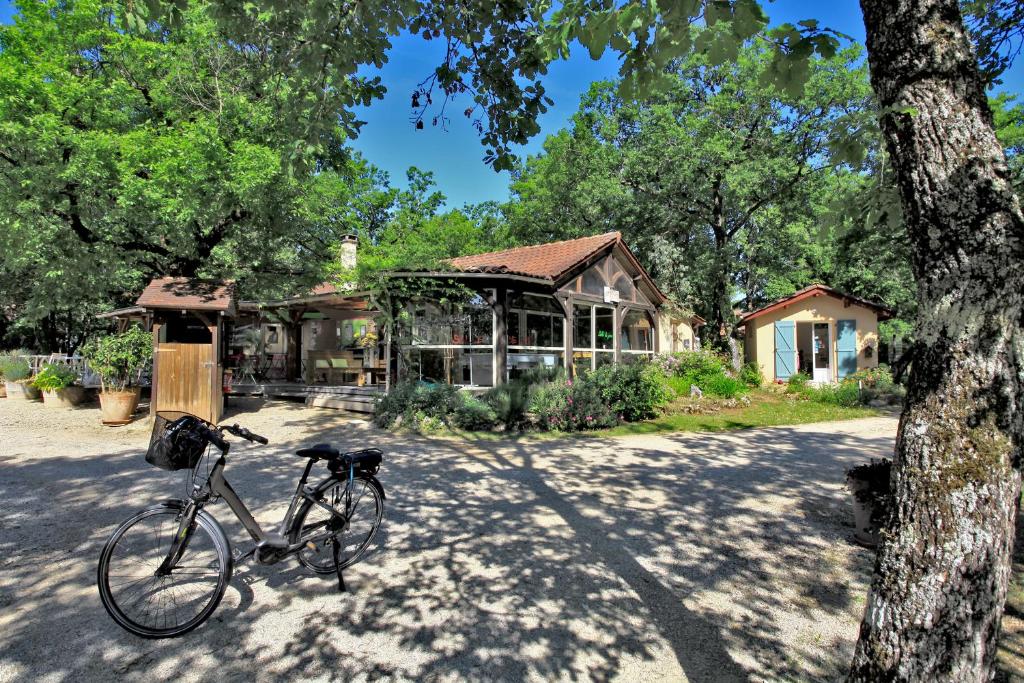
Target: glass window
(582, 337)
(582, 361)
(538, 329)
(470, 367)
(593, 283)
(604, 358)
(636, 332)
(604, 321)
(482, 324)
(520, 363)
(624, 284)
(515, 335)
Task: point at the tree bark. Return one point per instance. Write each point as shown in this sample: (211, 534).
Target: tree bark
(936, 598)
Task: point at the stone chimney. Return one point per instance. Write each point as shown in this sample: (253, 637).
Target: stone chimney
(347, 249)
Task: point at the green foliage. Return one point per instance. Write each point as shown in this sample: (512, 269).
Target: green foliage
(54, 377)
(414, 401)
(127, 154)
(119, 359)
(474, 415)
(633, 391)
(750, 375)
(722, 386)
(572, 406)
(703, 212)
(845, 394)
(797, 382)
(14, 368)
(707, 370)
(511, 400)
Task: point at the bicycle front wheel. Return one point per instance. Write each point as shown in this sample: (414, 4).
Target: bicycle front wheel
(155, 603)
(351, 526)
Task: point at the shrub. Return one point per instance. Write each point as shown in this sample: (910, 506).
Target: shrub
(14, 368)
(695, 363)
(633, 392)
(751, 375)
(54, 377)
(845, 394)
(706, 369)
(119, 359)
(474, 414)
(511, 400)
(409, 399)
(798, 383)
(550, 404)
(723, 386)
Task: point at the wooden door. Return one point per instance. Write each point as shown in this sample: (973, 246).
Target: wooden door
(185, 374)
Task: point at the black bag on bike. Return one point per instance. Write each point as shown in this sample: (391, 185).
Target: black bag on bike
(176, 444)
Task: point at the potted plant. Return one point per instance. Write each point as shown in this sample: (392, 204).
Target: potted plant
(869, 484)
(17, 378)
(119, 360)
(58, 384)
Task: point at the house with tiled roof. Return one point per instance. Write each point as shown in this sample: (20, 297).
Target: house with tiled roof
(576, 304)
(818, 331)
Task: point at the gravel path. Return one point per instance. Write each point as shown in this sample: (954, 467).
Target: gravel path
(677, 557)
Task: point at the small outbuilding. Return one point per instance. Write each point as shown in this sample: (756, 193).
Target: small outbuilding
(818, 330)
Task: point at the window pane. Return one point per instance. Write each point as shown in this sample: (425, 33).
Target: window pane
(538, 329)
(535, 302)
(482, 322)
(558, 330)
(519, 363)
(636, 332)
(514, 334)
(581, 361)
(605, 358)
(482, 366)
(624, 285)
(593, 283)
(605, 321)
(582, 330)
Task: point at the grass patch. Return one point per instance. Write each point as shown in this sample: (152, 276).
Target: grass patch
(766, 409)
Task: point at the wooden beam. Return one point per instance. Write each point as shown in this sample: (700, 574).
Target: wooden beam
(500, 336)
(156, 368)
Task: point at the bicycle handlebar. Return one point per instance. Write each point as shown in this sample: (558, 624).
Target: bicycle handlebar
(246, 434)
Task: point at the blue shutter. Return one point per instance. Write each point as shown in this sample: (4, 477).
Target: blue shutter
(846, 347)
(785, 356)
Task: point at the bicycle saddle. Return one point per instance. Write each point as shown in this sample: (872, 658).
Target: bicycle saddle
(320, 451)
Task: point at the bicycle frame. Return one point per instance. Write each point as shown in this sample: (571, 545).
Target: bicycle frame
(218, 486)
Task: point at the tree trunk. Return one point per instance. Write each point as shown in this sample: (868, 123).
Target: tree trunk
(941, 574)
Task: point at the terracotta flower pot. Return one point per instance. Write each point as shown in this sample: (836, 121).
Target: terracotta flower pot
(117, 407)
(22, 392)
(3, 390)
(68, 397)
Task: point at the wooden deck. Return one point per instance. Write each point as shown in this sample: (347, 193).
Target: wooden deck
(351, 398)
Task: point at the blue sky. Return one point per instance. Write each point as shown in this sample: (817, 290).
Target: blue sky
(391, 142)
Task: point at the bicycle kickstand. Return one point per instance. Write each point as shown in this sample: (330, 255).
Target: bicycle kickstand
(338, 569)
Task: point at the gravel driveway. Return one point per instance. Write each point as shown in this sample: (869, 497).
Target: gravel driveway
(679, 557)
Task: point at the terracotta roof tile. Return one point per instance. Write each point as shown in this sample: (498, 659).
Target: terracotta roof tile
(188, 293)
(547, 261)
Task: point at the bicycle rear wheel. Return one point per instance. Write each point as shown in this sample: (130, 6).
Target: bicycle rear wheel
(319, 530)
(155, 604)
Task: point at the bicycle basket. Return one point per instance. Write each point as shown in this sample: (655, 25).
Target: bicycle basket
(176, 443)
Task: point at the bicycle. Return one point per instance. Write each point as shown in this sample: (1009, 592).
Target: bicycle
(164, 570)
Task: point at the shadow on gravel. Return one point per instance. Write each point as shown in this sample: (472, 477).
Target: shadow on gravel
(551, 559)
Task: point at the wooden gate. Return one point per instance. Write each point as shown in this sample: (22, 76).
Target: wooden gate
(184, 380)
